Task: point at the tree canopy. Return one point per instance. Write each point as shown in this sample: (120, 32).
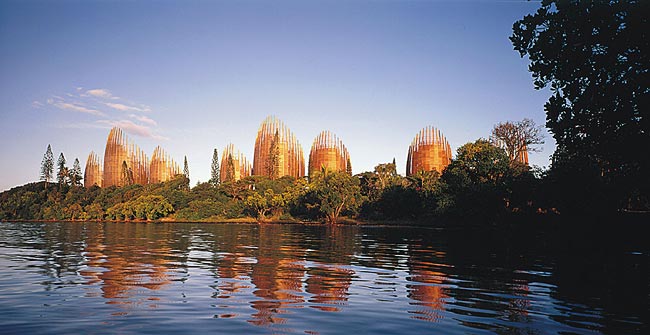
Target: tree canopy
(517, 137)
(594, 57)
(335, 192)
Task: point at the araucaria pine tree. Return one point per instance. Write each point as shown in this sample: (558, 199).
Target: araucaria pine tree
(348, 167)
(273, 161)
(215, 168)
(47, 166)
(75, 174)
(230, 169)
(186, 169)
(62, 173)
(127, 174)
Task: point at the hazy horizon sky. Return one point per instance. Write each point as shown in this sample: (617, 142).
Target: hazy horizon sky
(197, 75)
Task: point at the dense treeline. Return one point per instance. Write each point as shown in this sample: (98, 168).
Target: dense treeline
(593, 56)
(481, 181)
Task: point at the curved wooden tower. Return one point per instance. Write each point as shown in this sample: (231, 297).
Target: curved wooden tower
(115, 154)
(139, 164)
(234, 165)
(428, 151)
(287, 158)
(329, 152)
(162, 167)
(93, 173)
(118, 151)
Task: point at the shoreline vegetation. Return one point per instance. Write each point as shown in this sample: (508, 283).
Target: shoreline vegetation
(482, 182)
(483, 185)
(597, 114)
(488, 195)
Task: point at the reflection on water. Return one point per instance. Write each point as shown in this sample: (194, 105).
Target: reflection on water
(124, 264)
(133, 278)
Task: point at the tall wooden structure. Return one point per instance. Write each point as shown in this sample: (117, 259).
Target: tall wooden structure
(289, 160)
(119, 151)
(139, 165)
(93, 173)
(162, 167)
(139, 169)
(429, 151)
(115, 155)
(234, 165)
(328, 152)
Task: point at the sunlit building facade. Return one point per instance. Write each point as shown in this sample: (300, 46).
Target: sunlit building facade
(125, 163)
(93, 172)
(288, 160)
(428, 151)
(328, 152)
(234, 165)
(162, 167)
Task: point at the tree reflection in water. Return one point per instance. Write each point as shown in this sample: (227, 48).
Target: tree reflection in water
(274, 276)
(126, 259)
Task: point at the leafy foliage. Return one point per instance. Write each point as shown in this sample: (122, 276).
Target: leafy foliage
(263, 203)
(594, 56)
(478, 181)
(335, 192)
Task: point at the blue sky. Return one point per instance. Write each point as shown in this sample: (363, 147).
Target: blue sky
(194, 76)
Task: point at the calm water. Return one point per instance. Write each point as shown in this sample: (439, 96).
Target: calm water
(224, 278)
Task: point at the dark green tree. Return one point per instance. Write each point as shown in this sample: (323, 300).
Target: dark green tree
(186, 169)
(348, 166)
(426, 181)
(75, 174)
(335, 192)
(273, 161)
(47, 166)
(594, 56)
(215, 169)
(386, 174)
(230, 168)
(475, 181)
(62, 172)
(261, 203)
(127, 174)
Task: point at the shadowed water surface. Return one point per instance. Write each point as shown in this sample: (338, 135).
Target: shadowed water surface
(307, 279)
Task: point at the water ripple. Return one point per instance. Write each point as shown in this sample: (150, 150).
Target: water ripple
(289, 279)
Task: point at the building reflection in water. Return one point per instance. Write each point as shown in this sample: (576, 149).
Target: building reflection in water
(271, 268)
(427, 289)
(277, 276)
(126, 261)
(329, 285)
(330, 277)
(278, 270)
